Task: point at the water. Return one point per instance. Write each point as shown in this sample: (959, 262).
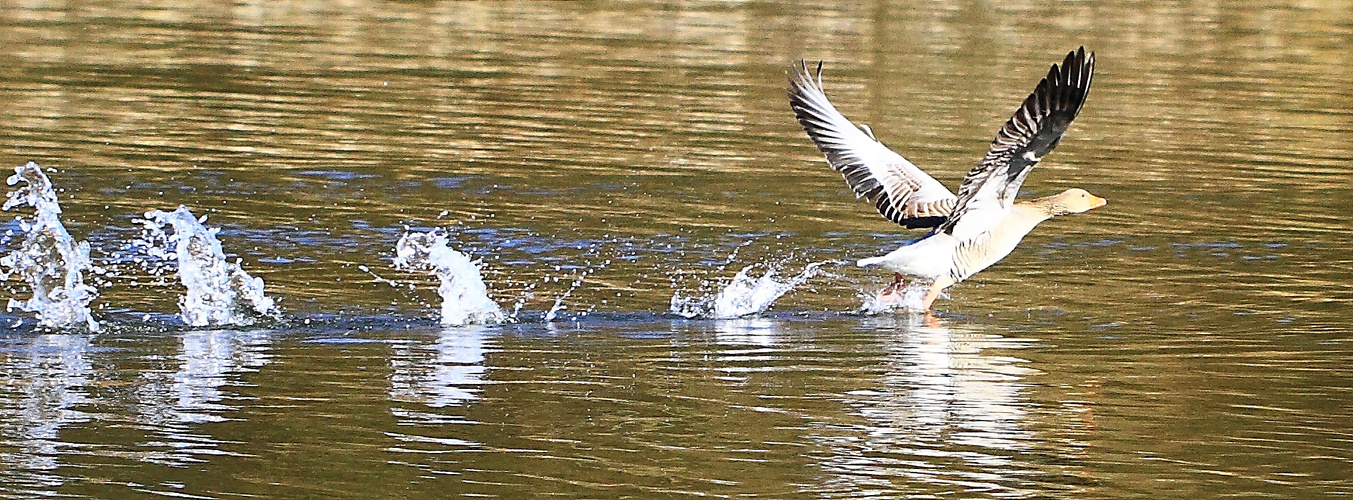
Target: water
(465, 298)
(910, 297)
(49, 259)
(743, 295)
(218, 292)
(594, 160)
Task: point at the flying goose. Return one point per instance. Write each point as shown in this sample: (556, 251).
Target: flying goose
(983, 223)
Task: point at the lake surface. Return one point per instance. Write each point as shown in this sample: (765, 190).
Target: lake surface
(1189, 340)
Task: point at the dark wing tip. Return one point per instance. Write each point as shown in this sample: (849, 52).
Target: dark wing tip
(1036, 128)
(1064, 90)
(799, 73)
(1071, 82)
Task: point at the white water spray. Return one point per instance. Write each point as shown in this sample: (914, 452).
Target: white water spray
(50, 260)
(745, 295)
(559, 301)
(218, 292)
(882, 301)
(465, 298)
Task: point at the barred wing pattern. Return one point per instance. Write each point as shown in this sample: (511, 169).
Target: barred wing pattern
(989, 189)
(901, 192)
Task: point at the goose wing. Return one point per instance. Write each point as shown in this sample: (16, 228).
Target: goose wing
(900, 191)
(989, 189)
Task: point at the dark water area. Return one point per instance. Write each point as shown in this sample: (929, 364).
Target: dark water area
(1188, 340)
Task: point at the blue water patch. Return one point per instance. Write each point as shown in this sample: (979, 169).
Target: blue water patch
(337, 175)
(450, 182)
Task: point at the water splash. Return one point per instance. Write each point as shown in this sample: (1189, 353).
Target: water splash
(910, 298)
(465, 298)
(50, 260)
(219, 292)
(744, 295)
(559, 301)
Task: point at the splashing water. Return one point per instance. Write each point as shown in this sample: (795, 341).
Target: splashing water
(219, 292)
(909, 298)
(50, 260)
(559, 301)
(744, 296)
(465, 298)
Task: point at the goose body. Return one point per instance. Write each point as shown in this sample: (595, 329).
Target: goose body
(983, 223)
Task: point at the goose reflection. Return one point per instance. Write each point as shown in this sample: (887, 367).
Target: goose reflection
(948, 412)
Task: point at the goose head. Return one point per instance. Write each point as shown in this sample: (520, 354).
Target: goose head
(1073, 201)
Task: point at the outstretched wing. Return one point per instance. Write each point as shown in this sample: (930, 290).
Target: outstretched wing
(988, 191)
(901, 192)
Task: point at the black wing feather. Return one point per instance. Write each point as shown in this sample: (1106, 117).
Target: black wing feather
(900, 191)
(1034, 130)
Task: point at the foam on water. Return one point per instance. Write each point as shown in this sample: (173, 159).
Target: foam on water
(465, 298)
(744, 295)
(49, 259)
(910, 298)
(218, 292)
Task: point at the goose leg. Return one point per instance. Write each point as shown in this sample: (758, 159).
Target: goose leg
(932, 294)
(894, 288)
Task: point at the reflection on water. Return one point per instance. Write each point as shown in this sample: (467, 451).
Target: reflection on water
(949, 413)
(58, 383)
(446, 372)
(829, 406)
(746, 331)
(428, 376)
(175, 404)
(47, 378)
(207, 362)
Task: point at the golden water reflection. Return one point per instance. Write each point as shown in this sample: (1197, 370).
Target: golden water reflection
(950, 411)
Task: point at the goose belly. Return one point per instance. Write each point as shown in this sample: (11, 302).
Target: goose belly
(927, 258)
(979, 253)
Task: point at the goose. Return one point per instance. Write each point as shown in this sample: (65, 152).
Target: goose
(983, 223)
